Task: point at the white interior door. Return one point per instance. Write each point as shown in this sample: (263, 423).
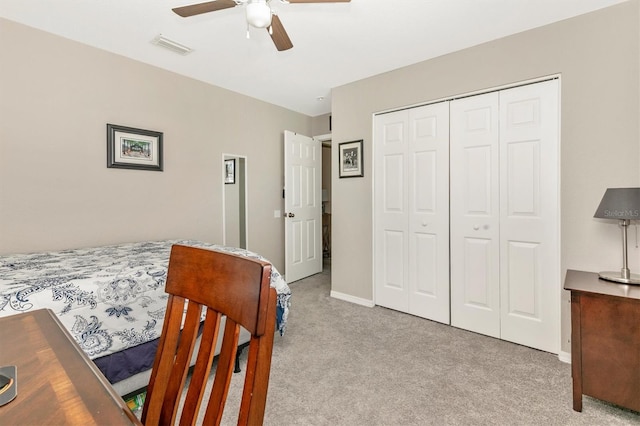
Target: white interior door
(428, 197)
(411, 219)
(391, 211)
(529, 215)
(475, 216)
(303, 206)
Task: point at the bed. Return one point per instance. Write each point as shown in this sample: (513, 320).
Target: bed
(111, 299)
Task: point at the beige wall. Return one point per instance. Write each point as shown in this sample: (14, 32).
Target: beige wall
(597, 57)
(320, 125)
(56, 97)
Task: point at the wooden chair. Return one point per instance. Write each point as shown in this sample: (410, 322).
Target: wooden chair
(222, 284)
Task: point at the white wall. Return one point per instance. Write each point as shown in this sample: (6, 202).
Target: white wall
(56, 97)
(597, 56)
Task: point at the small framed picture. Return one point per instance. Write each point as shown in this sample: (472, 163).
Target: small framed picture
(230, 171)
(350, 157)
(129, 148)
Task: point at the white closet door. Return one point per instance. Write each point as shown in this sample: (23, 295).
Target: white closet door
(428, 194)
(411, 211)
(391, 211)
(475, 218)
(529, 215)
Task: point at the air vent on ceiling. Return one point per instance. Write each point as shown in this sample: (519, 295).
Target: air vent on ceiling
(174, 46)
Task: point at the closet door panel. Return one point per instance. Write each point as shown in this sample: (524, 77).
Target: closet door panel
(524, 279)
(476, 189)
(529, 215)
(475, 226)
(428, 150)
(523, 179)
(393, 245)
(425, 247)
(477, 286)
(391, 230)
(425, 181)
(393, 200)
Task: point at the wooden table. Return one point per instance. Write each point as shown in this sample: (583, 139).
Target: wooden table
(605, 340)
(57, 382)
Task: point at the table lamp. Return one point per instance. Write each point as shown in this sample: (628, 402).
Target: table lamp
(622, 204)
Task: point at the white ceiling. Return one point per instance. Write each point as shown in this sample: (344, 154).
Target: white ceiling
(334, 43)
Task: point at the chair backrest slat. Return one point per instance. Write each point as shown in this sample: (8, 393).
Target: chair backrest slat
(222, 284)
(202, 368)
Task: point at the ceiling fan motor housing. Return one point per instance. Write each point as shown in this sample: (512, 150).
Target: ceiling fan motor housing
(258, 13)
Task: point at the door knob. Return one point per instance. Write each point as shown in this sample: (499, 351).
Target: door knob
(476, 227)
(290, 215)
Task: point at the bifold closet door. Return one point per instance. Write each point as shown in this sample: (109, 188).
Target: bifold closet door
(475, 216)
(411, 211)
(391, 211)
(530, 282)
(505, 272)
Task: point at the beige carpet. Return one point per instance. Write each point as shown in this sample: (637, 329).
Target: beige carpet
(344, 364)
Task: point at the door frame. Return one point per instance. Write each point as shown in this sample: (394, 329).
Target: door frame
(324, 139)
(246, 198)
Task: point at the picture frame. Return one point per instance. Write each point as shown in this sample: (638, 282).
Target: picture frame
(230, 171)
(350, 159)
(131, 148)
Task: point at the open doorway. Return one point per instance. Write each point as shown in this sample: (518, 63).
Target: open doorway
(326, 200)
(234, 200)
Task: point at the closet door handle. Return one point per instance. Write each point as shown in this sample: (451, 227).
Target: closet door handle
(476, 227)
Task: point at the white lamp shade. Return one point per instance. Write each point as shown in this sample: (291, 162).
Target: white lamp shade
(258, 14)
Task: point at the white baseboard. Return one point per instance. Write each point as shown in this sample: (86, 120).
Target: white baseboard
(352, 299)
(565, 357)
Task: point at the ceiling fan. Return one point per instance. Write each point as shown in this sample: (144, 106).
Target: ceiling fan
(259, 15)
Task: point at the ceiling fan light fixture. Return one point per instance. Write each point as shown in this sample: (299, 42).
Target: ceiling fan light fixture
(258, 13)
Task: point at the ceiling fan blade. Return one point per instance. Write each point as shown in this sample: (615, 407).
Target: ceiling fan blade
(319, 1)
(279, 35)
(199, 8)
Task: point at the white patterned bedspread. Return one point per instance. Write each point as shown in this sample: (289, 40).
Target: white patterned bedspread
(110, 298)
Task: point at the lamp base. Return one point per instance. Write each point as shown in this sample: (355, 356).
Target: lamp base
(617, 277)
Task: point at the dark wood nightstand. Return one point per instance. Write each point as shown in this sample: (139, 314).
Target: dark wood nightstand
(605, 340)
